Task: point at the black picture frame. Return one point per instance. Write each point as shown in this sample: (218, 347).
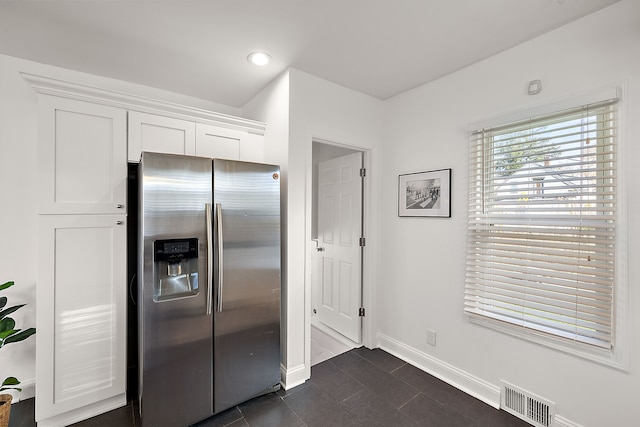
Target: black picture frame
(425, 194)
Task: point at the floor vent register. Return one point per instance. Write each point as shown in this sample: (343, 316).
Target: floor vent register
(527, 406)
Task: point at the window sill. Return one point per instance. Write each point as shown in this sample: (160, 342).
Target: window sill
(610, 358)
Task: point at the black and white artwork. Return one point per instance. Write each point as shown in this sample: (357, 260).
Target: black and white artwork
(425, 194)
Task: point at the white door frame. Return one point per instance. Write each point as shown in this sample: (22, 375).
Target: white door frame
(370, 251)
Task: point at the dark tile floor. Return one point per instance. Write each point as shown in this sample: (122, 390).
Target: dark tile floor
(359, 388)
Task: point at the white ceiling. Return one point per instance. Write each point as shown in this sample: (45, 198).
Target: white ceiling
(199, 47)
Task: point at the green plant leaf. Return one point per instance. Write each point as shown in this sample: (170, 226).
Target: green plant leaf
(7, 324)
(6, 285)
(8, 333)
(19, 336)
(9, 383)
(5, 334)
(10, 310)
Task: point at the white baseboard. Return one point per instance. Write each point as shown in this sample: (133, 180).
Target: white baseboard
(474, 386)
(563, 422)
(28, 391)
(85, 412)
(293, 377)
(470, 384)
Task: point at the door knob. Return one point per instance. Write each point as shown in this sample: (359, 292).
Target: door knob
(320, 249)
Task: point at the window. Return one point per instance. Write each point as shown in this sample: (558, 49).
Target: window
(542, 225)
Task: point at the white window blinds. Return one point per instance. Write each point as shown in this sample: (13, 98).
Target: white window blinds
(541, 226)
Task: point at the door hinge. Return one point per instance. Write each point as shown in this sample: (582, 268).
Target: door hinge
(361, 312)
(363, 172)
(363, 241)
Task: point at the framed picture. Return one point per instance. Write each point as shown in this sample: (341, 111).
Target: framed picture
(425, 194)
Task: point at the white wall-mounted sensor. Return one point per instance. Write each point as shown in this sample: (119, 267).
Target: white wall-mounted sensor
(535, 86)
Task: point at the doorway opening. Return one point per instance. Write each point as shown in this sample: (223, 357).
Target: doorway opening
(337, 245)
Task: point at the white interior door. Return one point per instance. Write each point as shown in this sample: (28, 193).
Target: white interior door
(339, 232)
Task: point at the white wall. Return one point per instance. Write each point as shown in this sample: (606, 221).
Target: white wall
(299, 108)
(271, 106)
(424, 258)
(18, 216)
(325, 111)
(18, 192)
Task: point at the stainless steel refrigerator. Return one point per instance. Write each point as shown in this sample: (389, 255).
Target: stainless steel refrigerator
(208, 286)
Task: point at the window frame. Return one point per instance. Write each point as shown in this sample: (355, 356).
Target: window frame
(617, 355)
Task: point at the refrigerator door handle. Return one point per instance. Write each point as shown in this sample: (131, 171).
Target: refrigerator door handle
(209, 257)
(220, 256)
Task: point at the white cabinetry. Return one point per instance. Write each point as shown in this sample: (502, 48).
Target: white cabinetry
(81, 157)
(150, 132)
(213, 141)
(231, 144)
(82, 282)
(81, 323)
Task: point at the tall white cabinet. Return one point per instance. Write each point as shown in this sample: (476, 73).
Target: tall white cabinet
(85, 138)
(81, 292)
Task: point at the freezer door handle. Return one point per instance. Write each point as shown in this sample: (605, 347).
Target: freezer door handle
(209, 257)
(220, 256)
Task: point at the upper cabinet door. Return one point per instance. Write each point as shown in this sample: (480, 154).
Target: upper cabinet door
(148, 132)
(231, 144)
(217, 142)
(82, 157)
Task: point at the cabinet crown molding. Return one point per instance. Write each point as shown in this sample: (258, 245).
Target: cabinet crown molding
(81, 92)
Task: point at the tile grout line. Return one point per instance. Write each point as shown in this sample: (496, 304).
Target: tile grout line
(401, 366)
(407, 402)
(292, 410)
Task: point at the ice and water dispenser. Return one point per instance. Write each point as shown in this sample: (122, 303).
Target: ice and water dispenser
(176, 268)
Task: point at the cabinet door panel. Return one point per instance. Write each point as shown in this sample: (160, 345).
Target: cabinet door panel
(82, 157)
(81, 305)
(252, 148)
(219, 143)
(158, 134)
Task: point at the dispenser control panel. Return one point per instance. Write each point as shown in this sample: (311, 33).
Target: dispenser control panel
(175, 250)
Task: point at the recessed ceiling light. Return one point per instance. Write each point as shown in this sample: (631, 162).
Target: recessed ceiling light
(259, 58)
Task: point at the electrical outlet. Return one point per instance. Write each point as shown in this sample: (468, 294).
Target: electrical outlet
(431, 337)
